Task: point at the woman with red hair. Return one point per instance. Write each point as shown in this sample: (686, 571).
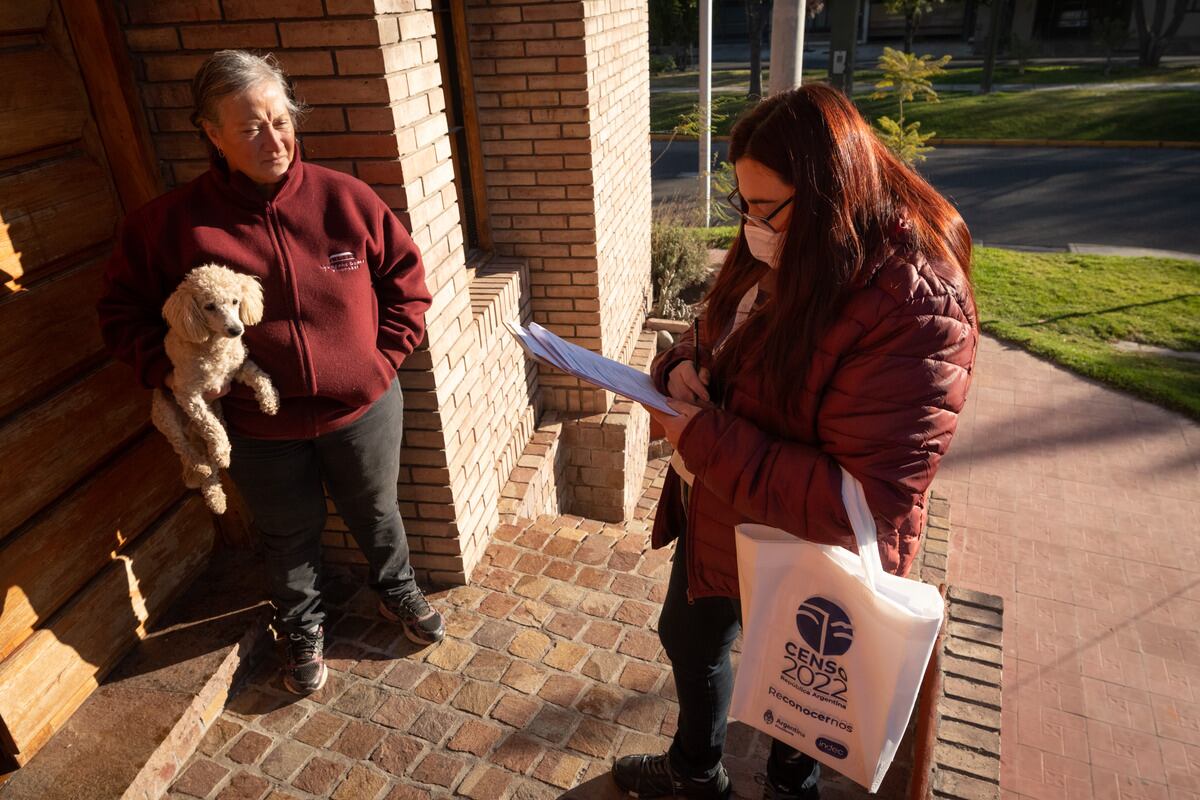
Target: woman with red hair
(841, 332)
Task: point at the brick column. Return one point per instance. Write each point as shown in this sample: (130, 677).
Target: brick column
(563, 94)
(374, 84)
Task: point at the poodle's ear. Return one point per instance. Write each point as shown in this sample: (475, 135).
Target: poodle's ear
(183, 314)
(251, 308)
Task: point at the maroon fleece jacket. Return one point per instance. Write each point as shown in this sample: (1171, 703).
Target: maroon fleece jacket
(343, 284)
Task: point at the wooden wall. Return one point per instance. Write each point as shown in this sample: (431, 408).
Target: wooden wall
(96, 532)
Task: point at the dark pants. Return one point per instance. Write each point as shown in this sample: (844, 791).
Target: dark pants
(281, 482)
(697, 637)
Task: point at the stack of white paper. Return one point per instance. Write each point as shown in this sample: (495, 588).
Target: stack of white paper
(597, 370)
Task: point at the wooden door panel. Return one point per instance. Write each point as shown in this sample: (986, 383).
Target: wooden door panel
(51, 333)
(43, 101)
(50, 211)
(20, 16)
(41, 568)
(45, 450)
(49, 676)
(94, 537)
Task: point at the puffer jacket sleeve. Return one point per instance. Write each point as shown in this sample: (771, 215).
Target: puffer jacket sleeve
(887, 416)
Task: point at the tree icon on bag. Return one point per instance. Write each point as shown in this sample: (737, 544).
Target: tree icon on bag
(824, 626)
(768, 717)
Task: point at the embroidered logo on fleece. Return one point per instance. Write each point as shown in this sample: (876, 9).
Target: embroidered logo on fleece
(343, 262)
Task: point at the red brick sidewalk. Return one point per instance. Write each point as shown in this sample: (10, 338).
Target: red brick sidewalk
(551, 667)
(1081, 508)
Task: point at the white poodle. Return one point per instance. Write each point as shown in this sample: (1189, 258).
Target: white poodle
(207, 315)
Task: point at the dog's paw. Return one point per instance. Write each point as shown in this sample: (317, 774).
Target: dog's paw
(214, 498)
(268, 401)
(220, 458)
(194, 475)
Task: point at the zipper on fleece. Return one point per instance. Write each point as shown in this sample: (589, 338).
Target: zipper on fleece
(292, 285)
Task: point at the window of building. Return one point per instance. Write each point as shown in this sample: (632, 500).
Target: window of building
(466, 151)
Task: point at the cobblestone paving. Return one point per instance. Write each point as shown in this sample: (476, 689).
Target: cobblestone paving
(551, 668)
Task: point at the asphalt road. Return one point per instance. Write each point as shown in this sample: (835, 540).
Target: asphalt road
(1040, 197)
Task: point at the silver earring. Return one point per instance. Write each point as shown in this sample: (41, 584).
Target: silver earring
(220, 153)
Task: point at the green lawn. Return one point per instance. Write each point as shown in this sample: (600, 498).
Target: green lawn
(1072, 309)
(1075, 114)
(1071, 114)
(721, 77)
(1067, 74)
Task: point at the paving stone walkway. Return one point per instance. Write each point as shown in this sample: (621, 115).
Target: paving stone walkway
(1076, 504)
(1081, 508)
(551, 668)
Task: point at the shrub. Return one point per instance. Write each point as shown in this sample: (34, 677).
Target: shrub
(660, 64)
(678, 261)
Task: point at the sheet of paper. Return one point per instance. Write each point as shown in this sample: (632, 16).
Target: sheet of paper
(597, 370)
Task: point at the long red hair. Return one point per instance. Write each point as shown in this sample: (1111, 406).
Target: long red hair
(854, 203)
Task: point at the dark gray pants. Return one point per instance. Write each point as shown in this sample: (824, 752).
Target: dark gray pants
(281, 482)
(698, 636)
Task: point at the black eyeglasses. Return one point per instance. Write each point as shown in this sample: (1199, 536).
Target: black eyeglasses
(743, 209)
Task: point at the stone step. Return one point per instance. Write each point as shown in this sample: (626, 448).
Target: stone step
(134, 733)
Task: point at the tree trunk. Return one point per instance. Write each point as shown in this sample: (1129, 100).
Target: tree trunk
(993, 44)
(755, 22)
(1152, 39)
(910, 30)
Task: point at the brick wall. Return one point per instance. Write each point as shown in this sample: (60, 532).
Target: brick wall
(618, 62)
(567, 168)
(562, 96)
(374, 85)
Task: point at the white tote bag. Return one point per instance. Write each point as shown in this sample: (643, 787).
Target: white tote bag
(834, 648)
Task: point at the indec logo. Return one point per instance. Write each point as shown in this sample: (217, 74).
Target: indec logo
(824, 626)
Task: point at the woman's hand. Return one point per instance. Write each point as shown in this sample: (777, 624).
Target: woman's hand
(684, 383)
(674, 425)
(208, 396)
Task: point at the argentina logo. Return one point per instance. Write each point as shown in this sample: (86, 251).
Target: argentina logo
(824, 626)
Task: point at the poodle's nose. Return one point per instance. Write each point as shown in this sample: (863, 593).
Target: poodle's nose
(234, 330)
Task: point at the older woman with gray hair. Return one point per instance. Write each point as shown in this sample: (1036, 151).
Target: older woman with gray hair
(344, 305)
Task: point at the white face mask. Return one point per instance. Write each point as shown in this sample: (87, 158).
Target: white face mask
(764, 244)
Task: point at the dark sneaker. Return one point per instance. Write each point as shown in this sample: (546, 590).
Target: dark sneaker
(421, 621)
(305, 671)
(652, 776)
(777, 791)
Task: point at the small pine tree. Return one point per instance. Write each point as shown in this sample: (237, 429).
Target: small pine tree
(907, 77)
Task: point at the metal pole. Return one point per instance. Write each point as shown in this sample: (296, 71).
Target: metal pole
(706, 105)
(787, 45)
(844, 33)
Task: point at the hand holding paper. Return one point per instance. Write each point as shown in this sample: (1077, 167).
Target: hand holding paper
(597, 370)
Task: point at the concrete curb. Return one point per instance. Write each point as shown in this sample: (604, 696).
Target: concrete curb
(954, 142)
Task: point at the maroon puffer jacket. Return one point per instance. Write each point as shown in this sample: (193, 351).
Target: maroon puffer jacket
(881, 398)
